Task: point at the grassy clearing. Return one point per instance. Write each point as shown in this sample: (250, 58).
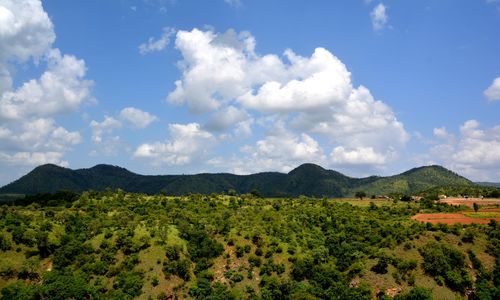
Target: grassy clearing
(365, 202)
(487, 215)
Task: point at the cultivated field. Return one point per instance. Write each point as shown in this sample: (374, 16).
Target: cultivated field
(467, 217)
(470, 201)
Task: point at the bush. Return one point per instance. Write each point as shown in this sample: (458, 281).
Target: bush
(381, 266)
(130, 282)
(254, 261)
(173, 252)
(200, 245)
(240, 251)
(179, 267)
(417, 293)
(20, 290)
(5, 243)
(155, 281)
(60, 285)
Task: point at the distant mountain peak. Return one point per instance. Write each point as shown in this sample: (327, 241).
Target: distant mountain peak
(108, 167)
(49, 167)
(307, 167)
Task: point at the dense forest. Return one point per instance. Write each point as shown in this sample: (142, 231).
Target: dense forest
(118, 245)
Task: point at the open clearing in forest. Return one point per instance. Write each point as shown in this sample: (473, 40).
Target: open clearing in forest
(365, 202)
(466, 217)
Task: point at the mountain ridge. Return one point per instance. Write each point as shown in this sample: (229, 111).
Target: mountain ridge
(307, 179)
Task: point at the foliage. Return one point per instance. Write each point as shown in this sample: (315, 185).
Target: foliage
(130, 283)
(447, 262)
(417, 293)
(360, 195)
(117, 245)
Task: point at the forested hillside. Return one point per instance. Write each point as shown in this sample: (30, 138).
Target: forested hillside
(307, 179)
(116, 245)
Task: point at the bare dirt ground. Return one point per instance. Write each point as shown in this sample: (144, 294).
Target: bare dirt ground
(452, 218)
(470, 201)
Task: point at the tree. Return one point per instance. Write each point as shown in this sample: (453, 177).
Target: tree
(255, 192)
(405, 198)
(417, 293)
(20, 290)
(360, 195)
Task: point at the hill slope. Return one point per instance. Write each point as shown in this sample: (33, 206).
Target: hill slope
(415, 180)
(307, 179)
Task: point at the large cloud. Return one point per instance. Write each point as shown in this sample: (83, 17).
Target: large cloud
(29, 134)
(38, 140)
(473, 153)
(26, 32)
(60, 89)
(223, 75)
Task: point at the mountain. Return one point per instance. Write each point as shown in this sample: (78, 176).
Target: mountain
(307, 179)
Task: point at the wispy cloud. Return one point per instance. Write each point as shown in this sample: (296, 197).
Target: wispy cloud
(159, 44)
(379, 17)
(234, 2)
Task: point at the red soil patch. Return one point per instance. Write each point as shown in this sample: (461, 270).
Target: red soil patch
(451, 219)
(470, 201)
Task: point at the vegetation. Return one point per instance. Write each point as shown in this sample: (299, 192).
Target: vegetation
(117, 245)
(474, 191)
(307, 179)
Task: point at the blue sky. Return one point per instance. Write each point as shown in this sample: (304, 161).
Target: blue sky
(179, 86)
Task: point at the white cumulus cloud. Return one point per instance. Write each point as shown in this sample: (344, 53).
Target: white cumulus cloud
(474, 153)
(105, 127)
(357, 156)
(29, 133)
(25, 30)
(61, 89)
(38, 140)
(31, 159)
(492, 93)
(137, 117)
(280, 150)
(187, 144)
(222, 74)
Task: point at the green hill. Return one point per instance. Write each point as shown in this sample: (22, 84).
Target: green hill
(415, 180)
(307, 179)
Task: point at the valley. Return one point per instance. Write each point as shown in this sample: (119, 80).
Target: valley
(119, 245)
